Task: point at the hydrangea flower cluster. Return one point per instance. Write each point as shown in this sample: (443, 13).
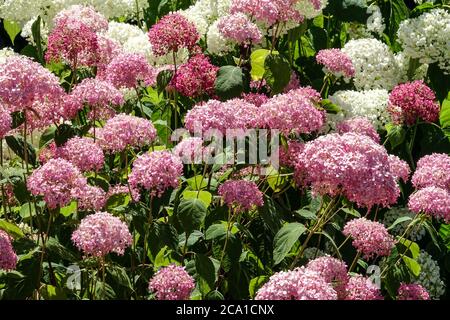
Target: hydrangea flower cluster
(417, 232)
(101, 233)
(238, 28)
(258, 99)
(412, 291)
(5, 122)
(125, 131)
(172, 283)
(289, 157)
(358, 125)
(190, 150)
(8, 258)
(411, 101)
(432, 170)
(83, 153)
(156, 172)
(334, 272)
(399, 168)
(241, 195)
(85, 14)
(429, 277)
(362, 288)
(371, 238)
(336, 62)
(433, 201)
(89, 197)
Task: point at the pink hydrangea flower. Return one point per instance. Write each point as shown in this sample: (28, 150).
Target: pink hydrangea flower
(86, 14)
(238, 27)
(294, 83)
(156, 172)
(5, 122)
(432, 170)
(298, 284)
(411, 101)
(48, 152)
(349, 164)
(362, 288)
(371, 238)
(412, 291)
(123, 189)
(241, 195)
(125, 131)
(433, 201)
(89, 197)
(129, 70)
(289, 156)
(8, 258)
(399, 168)
(257, 99)
(336, 62)
(359, 125)
(101, 233)
(334, 272)
(172, 283)
(55, 181)
(196, 77)
(189, 150)
(84, 153)
(291, 112)
(100, 96)
(108, 49)
(172, 33)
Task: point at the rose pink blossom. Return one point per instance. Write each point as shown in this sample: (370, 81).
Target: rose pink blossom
(298, 284)
(411, 101)
(362, 288)
(172, 283)
(359, 125)
(5, 122)
(294, 83)
(336, 62)
(101, 233)
(412, 291)
(108, 49)
(238, 27)
(156, 172)
(189, 150)
(257, 99)
(289, 156)
(371, 238)
(123, 189)
(433, 201)
(334, 272)
(172, 33)
(83, 153)
(432, 171)
(8, 258)
(125, 131)
(50, 151)
(241, 195)
(89, 197)
(85, 14)
(196, 77)
(399, 168)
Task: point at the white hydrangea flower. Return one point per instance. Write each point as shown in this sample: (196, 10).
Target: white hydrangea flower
(5, 53)
(429, 276)
(306, 8)
(122, 32)
(21, 11)
(28, 34)
(374, 63)
(417, 232)
(375, 23)
(370, 104)
(402, 61)
(427, 38)
(216, 42)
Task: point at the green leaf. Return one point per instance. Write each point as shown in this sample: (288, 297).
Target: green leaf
(207, 272)
(329, 107)
(11, 229)
(17, 145)
(25, 210)
(398, 221)
(197, 182)
(285, 239)
(255, 284)
(203, 196)
(194, 237)
(352, 212)
(410, 246)
(396, 134)
(163, 79)
(412, 265)
(12, 29)
(307, 214)
(214, 295)
(229, 82)
(215, 231)
(444, 117)
(50, 292)
(161, 259)
(119, 275)
(36, 32)
(69, 209)
(444, 233)
(257, 59)
(47, 136)
(270, 215)
(191, 213)
(117, 200)
(277, 72)
(55, 247)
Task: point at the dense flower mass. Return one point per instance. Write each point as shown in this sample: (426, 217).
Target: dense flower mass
(125, 131)
(5, 122)
(371, 238)
(101, 233)
(433, 201)
(409, 102)
(430, 275)
(83, 153)
(362, 288)
(334, 272)
(190, 150)
(241, 195)
(89, 197)
(336, 62)
(239, 28)
(156, 172)
(359, 125)
(172, 33)
(399, 168)
(432, 170)
(85, 14)
(172, 283)
(412, 291)
(298, 284)
(8, 258)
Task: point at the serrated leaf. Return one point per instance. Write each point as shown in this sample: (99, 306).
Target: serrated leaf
(412, 265)
(284, 240)
(257, 59)
(216, 231)
(191, 213)
(255, 284)
(307, 214)
(11, 229)
(69, 209)
(229, 82)
(396, 134)
(203, 196)
(277, 72)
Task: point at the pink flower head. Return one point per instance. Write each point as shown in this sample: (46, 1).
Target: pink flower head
(8, 258)
(258, 99)
(129, 70)
(292, 112)
(359, 125)
(238, 27)
(289, 156)
(411, 101)
(294, 83)
(123, 189)
(362, 288)
(196, 77)
(298, 284)
(5, 122)
(48, 152)
(336, 62)
(334, 272)
(55, 180)
(95, 21)
(172, 283)
(371, 238)
(125, 131)
(241, 195)
(172, 33)
(432, 170)
(108, 49)
(100, 96)
(83, 153)
(399, 168)
(433, 201)
(189, 150)
(412, 291)
(89, 197)
(156, 172)
(349, 164)
(101, 233)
